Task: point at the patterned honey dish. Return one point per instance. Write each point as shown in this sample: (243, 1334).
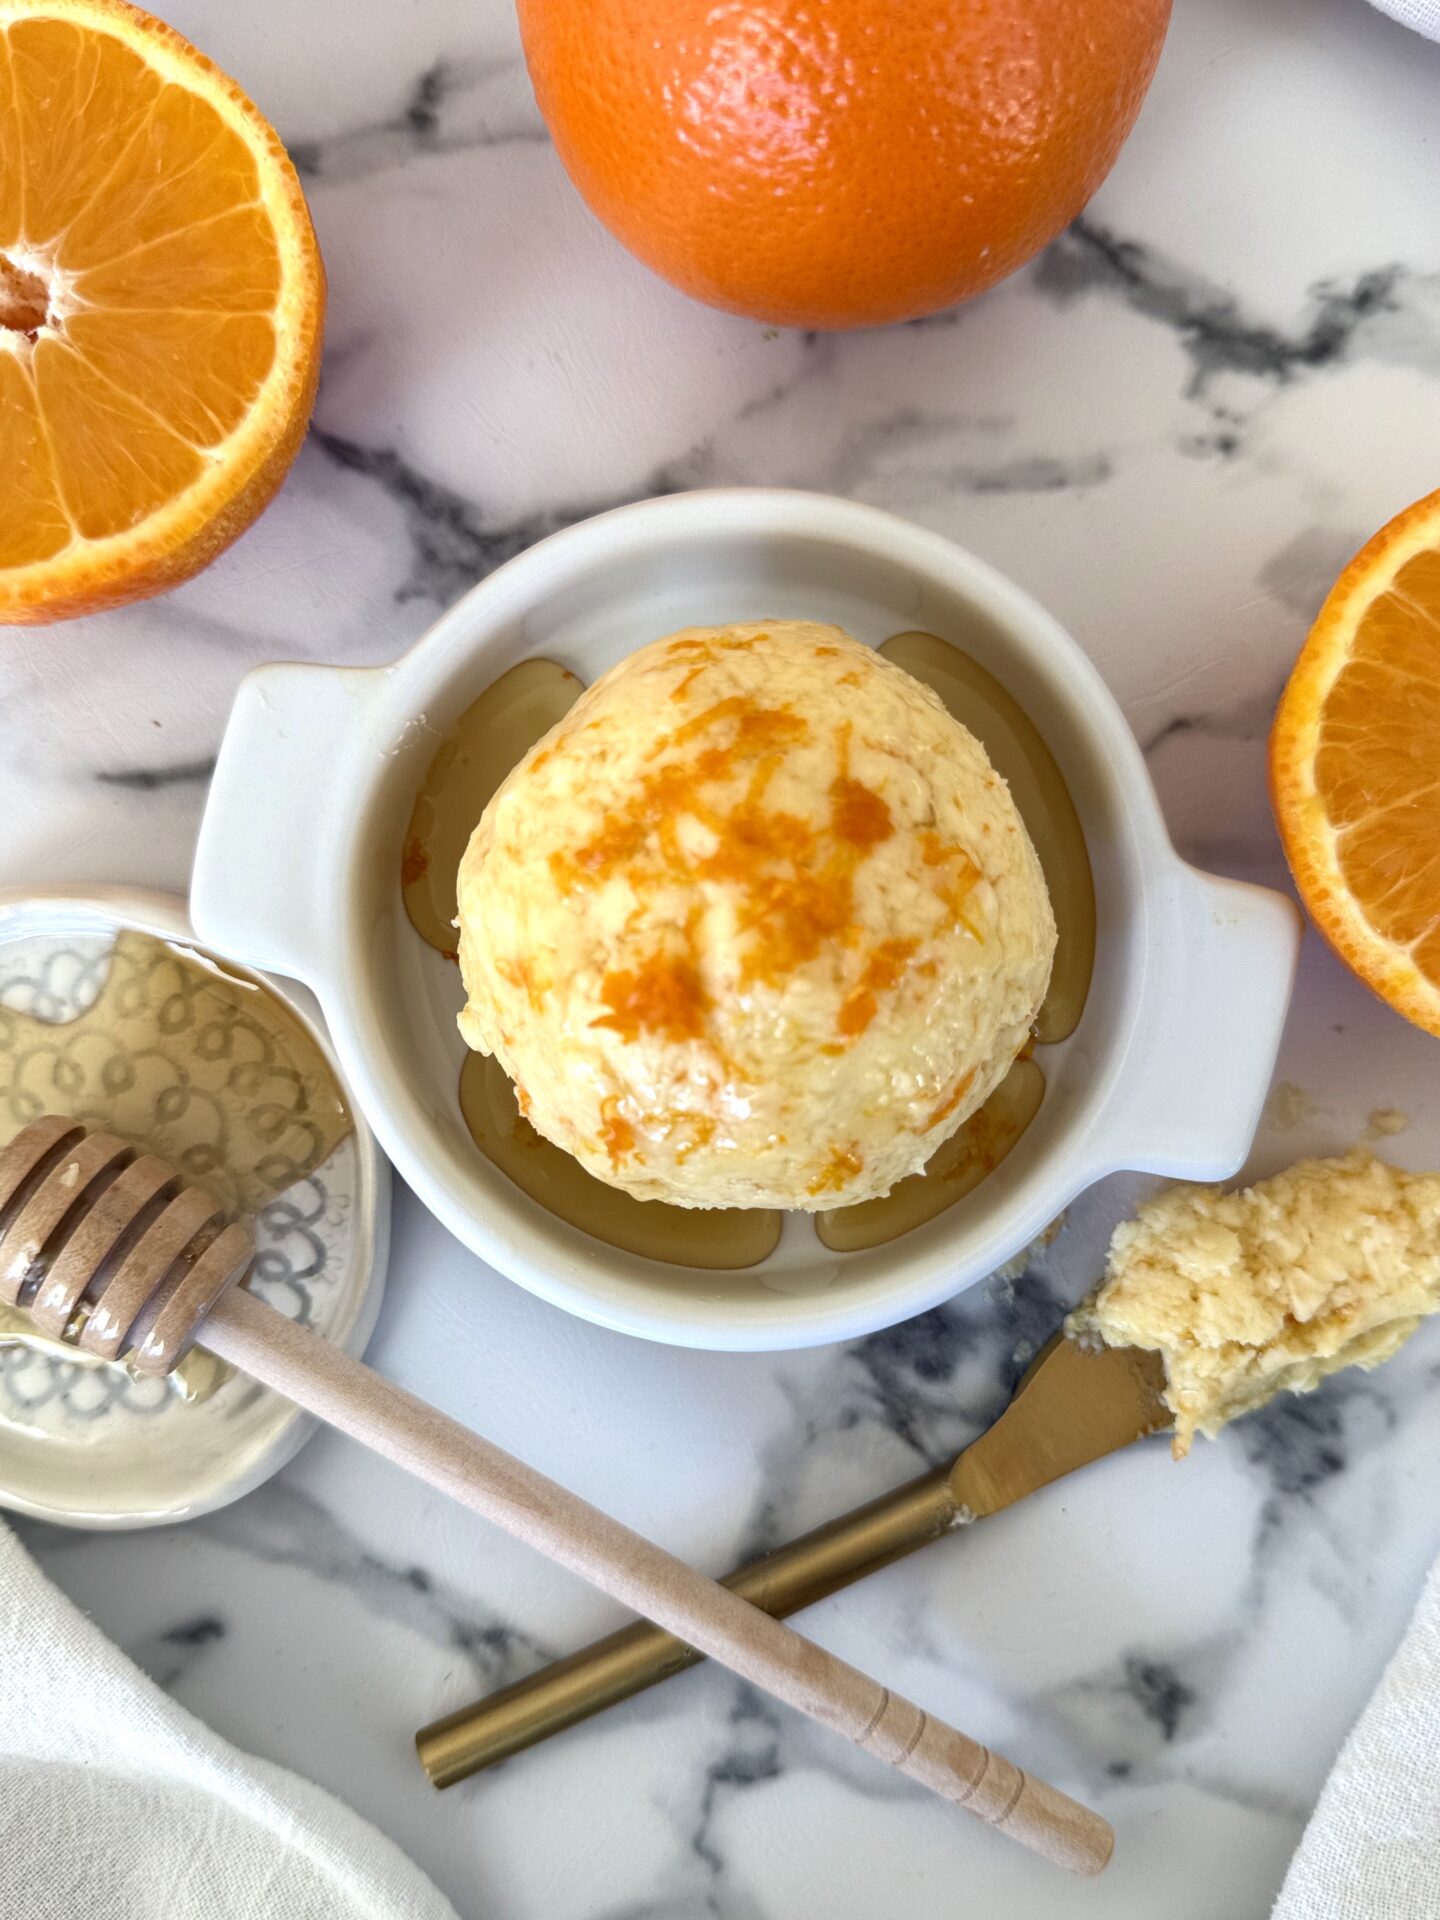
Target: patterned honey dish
(111, 1014)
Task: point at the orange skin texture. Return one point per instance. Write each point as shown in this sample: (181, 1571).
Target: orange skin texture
(839, 163)
(1303, 808)
(170, 547)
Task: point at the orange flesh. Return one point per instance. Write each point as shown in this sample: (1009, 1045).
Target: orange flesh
(1355, 765)
(1378, 764)
(160, 215)
(153, 246)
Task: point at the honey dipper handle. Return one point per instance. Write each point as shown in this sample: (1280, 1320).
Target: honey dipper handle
(349, 1396)
(641, 1655)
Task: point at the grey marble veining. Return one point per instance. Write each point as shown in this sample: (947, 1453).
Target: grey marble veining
(1173, 428)
(454, 105)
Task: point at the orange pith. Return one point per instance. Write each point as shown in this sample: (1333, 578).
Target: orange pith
(1355, 765)
(841, 164)
(161, 304)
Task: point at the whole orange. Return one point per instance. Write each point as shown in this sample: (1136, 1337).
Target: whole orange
(839, 163)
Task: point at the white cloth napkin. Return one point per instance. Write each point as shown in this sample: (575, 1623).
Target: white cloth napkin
(116, 1803)
(1372, 1848)
(1422, 15)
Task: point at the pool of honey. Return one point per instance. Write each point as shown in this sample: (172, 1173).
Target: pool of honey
(953, 1170)
(492, 734)
(716, 1237)
(499, 728)
(1019, 754)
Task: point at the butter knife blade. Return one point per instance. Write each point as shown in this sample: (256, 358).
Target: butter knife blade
(1074, 1404)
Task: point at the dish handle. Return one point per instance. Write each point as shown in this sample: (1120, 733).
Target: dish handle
(1204, 1050)
(269, 874)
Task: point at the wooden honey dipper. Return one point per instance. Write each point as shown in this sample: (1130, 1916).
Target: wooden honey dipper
(108, 1249)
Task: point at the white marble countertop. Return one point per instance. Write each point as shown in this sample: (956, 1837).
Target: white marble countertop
(1172, 429)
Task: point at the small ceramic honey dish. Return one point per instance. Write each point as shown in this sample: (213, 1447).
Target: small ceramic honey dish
(111, 1013)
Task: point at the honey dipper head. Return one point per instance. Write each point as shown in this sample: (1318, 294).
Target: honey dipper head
(108, 1248)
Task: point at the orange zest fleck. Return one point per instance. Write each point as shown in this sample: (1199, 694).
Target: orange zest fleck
(519, 973)
(858, 814)
(757, 729)
(957, 880)
(692, 1130)
(791, 915)
(951, 1101)
(665, 995)
(795, 878)
(617, 1136)
(839, 1170)
(882, 971)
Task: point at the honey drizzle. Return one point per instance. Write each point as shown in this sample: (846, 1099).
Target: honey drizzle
(722, 1239)
(490, 737)
(953, 1170)
(1019, 754)
(499, 728)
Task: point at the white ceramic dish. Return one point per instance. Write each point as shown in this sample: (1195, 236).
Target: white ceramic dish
(299, 858)
(89, 1445)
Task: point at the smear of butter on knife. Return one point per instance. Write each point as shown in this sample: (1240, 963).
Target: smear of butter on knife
(1332, 1263)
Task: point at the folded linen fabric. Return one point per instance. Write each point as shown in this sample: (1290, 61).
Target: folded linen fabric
(1422, 15)
(117, 1803)
(1372, 1848)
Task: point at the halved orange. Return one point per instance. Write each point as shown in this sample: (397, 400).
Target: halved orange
(1355, 765)
(161, 308)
